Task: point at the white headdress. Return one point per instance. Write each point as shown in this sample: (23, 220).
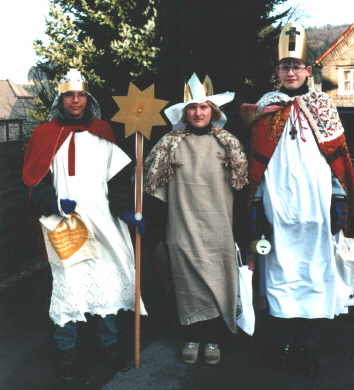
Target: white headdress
(74, 81)
(196, 92)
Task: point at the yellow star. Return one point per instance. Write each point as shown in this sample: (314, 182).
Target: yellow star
(139, 110)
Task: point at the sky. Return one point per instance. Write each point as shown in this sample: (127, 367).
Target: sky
(317, 13)
(23, 21)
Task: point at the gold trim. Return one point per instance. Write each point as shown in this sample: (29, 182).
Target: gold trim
(292, 42)
(208, 85)
(73, 86)
(187, 95)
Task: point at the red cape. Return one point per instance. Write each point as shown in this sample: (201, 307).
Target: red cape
(48, 138)
(266, 133)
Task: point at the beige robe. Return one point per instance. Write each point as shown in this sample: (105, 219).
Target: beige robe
(199, 232)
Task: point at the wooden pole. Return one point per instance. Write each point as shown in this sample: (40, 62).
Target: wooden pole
(138, 211)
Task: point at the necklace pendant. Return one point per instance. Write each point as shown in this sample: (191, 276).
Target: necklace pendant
(293, 132)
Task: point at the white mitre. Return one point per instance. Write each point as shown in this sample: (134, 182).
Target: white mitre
(196, 92)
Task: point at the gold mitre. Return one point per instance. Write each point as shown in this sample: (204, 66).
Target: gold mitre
(72, 81)
(195, 89)
(292, 42)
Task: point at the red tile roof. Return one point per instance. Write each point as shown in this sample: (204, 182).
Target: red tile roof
(335, 44)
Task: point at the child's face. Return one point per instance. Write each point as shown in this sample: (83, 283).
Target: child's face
(293, 74)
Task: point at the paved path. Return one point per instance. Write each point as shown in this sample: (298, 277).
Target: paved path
(241, 369)
(26, 354)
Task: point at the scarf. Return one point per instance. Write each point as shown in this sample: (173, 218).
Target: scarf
(160, 164)
(295, 92)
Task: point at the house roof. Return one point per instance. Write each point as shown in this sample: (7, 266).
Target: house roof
(15, 100)
(338, 46)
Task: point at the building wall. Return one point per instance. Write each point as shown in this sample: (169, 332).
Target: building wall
(20, 241)
(16, 130)
(330, 76)
(341, 57)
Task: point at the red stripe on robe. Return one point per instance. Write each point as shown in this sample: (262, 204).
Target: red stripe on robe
(46, 141)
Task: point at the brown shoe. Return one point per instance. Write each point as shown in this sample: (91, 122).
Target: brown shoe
(212, 353)
(190, 352)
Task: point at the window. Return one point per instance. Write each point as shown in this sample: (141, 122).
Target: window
(14, 131)
(10, 130)
(346, 81)
(3, 133)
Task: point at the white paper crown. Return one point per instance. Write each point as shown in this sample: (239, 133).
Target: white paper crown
(72, 81)
(196, 92)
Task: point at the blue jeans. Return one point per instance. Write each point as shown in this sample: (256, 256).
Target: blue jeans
(65, 337)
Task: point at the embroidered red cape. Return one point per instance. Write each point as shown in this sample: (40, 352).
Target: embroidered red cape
(47, 139)
(266, 132)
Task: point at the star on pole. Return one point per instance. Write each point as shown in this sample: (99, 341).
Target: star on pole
(139, 110)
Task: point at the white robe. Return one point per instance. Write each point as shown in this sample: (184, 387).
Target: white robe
(96, 286)
(300, 272)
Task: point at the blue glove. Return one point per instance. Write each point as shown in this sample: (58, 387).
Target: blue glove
(67, 205)
(339, 213)
(129, 218)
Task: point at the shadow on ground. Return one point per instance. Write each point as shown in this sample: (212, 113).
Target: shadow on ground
(26, 354)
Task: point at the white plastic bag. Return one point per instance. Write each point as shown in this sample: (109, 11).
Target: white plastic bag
(344, 255)
(245, 317)
(68, 240)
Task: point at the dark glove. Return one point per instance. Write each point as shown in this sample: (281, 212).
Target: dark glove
(43, 196)
(129, 218)
(339, 213)
(121, 192)
(67, 205)
(258, 223)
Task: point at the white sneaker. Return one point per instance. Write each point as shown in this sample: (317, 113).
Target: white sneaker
(190, 352)
(212, 353)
